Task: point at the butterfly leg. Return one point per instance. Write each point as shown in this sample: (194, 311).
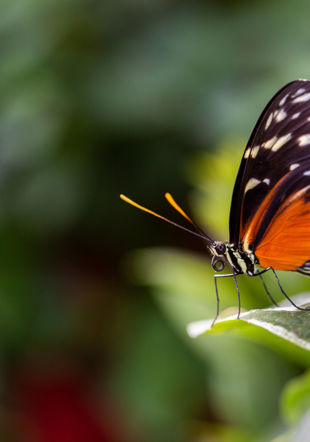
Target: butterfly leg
(217, 295)
(287, 297)
(259, 273)
(217, 300)
(238, 293)
(267, 291)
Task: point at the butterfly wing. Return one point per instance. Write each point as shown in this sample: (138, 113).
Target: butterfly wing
(279, 232)
(278, 147)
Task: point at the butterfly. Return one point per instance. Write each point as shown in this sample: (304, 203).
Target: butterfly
(269, 221)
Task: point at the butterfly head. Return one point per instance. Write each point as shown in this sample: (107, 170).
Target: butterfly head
(218, 250)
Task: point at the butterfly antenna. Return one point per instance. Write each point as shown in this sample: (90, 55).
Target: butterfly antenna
(133, 203)
(176, 206)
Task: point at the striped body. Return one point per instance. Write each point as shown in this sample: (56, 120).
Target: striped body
(240, 260)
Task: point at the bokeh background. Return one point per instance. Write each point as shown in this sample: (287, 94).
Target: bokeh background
(138, 97)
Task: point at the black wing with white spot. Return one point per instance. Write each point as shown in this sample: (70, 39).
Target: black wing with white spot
(279, 144)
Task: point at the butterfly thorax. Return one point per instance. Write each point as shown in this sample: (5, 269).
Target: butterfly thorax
(240, 260)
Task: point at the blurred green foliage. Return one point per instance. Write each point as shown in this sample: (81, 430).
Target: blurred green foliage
(100, 98)
(296, 399)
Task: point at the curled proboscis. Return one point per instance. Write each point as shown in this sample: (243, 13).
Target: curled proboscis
(217, 264)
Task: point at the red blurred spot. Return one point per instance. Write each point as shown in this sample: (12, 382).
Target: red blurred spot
(60, 409)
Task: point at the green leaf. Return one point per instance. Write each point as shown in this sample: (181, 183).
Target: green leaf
(286, 322)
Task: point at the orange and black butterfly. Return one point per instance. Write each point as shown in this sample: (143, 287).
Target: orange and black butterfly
(270, 210)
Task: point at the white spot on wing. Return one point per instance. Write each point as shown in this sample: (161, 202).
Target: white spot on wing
(304, 97)
(267, 181)
(294, 166)
(254, 152)
(280, 142)
(253, 182)
(294, 116)
(307, 173)
(299, 92)
(269, 120)
(283, 100)
(268, 144)
(247, 153)
(281, 115)
(303, 140)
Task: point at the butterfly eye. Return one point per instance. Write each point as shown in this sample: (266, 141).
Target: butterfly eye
(217, 264)
(220, 248)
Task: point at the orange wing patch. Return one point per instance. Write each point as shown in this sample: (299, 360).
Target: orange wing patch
(286, 243)
(250, 230)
